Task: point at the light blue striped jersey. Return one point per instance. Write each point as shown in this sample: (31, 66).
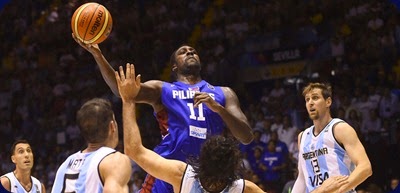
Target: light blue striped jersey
(190, 184)
(79, 173)
(16, 187)
(322, 157)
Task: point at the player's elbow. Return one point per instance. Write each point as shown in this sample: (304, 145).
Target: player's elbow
(248, 139)
(367, 170)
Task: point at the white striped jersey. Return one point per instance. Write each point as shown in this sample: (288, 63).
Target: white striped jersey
(16, 187)
(190, 184)
(79, 173)
(322, 157)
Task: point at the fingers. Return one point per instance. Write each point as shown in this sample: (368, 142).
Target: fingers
(129, 74)
(198, 102)
(342, 179)
(128, 70)
(117, 77)
(200, 97)
(138, 80)
(121, 73)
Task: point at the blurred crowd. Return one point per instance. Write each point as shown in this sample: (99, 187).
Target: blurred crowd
(352, 44)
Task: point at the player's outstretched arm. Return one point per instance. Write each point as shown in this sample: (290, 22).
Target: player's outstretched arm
(106, 69)
(170, 171)
(151, 90)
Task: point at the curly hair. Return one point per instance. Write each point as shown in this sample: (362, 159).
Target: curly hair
(219, 163)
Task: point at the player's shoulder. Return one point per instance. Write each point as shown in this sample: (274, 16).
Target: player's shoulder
(115, 165)
(154, 83)
(228, 91)
(342, 131)
(251, 187)
(341, 125)
(116, 157)
(5, 182)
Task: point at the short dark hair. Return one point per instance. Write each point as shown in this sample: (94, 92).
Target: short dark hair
(325, 88)
(220, 162)
(16, 143)
(93, 119)
(172, 58)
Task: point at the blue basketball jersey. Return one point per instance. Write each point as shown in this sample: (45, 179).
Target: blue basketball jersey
(322, 157)
(188, 126)
(80, 172)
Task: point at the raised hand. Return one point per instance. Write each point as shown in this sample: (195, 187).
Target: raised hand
(92, 48)
(202, 97)
(128, 83)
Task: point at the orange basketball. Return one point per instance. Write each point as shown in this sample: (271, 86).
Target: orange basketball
(91, 23)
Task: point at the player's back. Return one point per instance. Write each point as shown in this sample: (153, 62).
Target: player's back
(79, 173)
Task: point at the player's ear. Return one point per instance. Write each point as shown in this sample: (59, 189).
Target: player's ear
(329, 101)
(113, 126)
(174, 67)
(13, 158)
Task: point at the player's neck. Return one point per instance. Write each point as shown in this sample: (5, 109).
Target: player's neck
(321, 123)
(23, 176)
(189, 79)
(92, 147)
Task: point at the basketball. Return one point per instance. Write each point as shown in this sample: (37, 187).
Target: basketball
(91, 23)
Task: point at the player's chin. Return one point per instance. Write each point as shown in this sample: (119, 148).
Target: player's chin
(313, 116)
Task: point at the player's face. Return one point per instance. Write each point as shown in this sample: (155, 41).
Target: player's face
(316, 104)
(187, 60)
(23, 156)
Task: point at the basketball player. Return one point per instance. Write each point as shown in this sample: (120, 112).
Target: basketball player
(219, 162)
(328, 148)
(97, 168)
(188, 110)
(20, 180)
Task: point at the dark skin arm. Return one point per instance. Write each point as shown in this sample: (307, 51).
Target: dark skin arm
(232, 115)
(150, 92)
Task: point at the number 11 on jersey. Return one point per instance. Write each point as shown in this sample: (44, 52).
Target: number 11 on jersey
(200, 116)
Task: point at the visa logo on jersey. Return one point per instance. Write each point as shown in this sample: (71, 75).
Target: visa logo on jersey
(318, 179)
